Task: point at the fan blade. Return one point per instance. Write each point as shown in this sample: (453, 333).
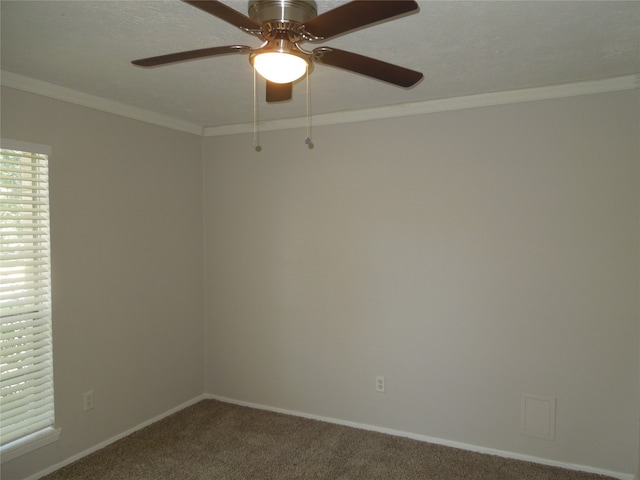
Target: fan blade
(226, 13)
(370, 67)
(278, 92)
(354, 15)
(190, 55)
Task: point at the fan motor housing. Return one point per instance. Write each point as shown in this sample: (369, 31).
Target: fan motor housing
(282, 11)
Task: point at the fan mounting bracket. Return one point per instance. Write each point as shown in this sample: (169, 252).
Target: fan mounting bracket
(287, 11)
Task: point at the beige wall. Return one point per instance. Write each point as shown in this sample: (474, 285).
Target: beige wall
(469, 256)
(126, 211)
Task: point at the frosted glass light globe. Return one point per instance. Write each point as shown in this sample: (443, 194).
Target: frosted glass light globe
(278, 67)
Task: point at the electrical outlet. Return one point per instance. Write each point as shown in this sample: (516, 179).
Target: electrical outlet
(87, 398)
(380, 384)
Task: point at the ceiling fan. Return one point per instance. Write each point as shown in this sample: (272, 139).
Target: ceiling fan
(283, 25)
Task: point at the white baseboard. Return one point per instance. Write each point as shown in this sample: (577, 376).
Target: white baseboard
(109, 441)
(437, 441)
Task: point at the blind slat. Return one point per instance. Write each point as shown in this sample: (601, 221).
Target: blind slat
(25, 381)
(14, 376)
(15, 405)
(35, 384)
(32, 408)
(19, 350)
(24, 158)
(22, 284)
(13, 263)
(30, 423)
(36, 318)
(34, 303)
(28, 310)
(36, 291)
(35, 197)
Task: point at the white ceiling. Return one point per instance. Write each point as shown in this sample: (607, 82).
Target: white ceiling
(462, 47)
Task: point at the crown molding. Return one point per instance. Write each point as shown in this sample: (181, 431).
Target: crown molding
(616, 84)
(38, 87)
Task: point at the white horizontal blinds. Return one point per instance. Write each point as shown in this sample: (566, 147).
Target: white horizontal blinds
(26, 377)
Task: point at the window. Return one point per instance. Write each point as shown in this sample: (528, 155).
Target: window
(26, 372)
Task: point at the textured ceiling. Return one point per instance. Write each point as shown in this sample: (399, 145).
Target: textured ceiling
(462, 47)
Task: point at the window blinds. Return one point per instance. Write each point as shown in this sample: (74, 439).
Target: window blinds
(26, 376)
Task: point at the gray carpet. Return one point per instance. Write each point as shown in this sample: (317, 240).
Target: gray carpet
(215, 440)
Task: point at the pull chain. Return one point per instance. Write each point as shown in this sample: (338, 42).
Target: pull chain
(256, 134)
(308, 139)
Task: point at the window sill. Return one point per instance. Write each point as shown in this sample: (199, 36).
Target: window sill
(29, 443)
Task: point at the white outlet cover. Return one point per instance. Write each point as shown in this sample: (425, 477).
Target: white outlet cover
(87, 398)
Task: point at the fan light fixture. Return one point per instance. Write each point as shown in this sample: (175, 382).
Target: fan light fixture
(280, 60)
(285, 24)
(280, 67)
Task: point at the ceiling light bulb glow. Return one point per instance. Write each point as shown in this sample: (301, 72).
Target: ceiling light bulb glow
(280, 67)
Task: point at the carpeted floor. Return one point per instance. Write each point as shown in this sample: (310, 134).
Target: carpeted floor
(215, 440)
